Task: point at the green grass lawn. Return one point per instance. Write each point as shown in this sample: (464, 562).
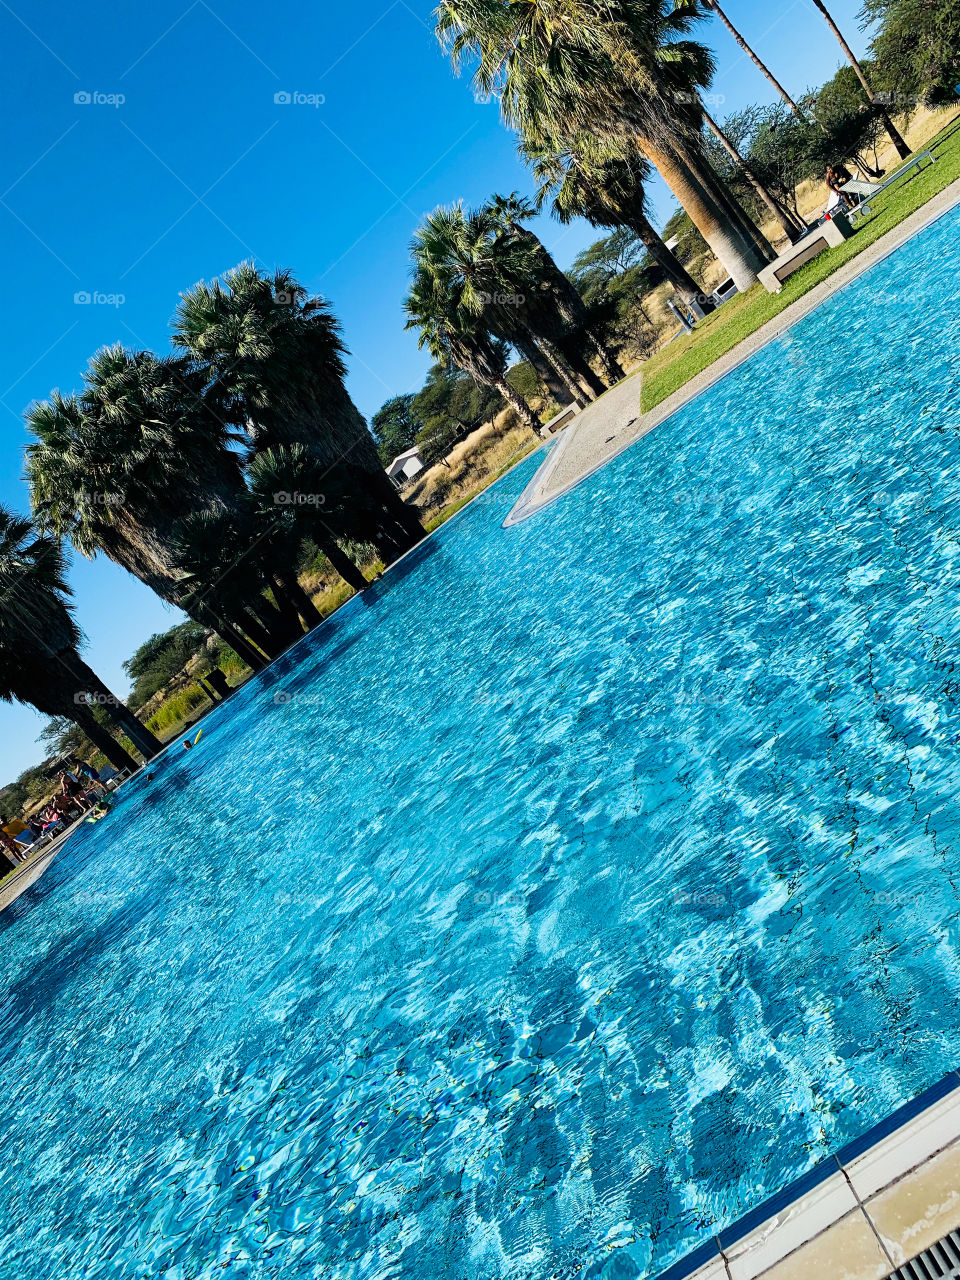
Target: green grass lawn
(714, 336)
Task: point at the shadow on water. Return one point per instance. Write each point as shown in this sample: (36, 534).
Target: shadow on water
(66, 867)
(48, 973)
(402, 570)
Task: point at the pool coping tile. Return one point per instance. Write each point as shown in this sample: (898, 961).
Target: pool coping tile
(864, 1172)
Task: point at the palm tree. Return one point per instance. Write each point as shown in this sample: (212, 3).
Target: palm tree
(115, 468)
(510, 214)
(298, 497)
(499, 282)
(714, 7)
(39, 644)
(624, 70)
(606, 186)
(442, 302)
(468, 302)
(274, 358)
(792, 228)
(903, 150)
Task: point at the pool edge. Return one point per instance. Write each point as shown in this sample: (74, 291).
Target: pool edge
(538, 495)
(879, 1205)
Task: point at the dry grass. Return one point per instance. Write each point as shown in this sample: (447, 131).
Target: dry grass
(473, 464)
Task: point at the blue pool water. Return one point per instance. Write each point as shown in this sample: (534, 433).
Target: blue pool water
(547, 911)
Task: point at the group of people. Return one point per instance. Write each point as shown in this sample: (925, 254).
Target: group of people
(81, 790)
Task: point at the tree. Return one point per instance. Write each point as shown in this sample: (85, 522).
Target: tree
(916, 50)
(158, 660)
(618, 272)
(903, 151)
(792, 227)
(852, 124)
(451, 401)
(293, 472)
(622, 70)
(454, 299)
(503, 289)
(40, 663)
(115, 468)
(274, 356)
(510, 214)
(714, 7)
(395, 427)
(605, 186)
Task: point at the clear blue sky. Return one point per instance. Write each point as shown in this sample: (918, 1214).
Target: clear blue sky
(199, 167)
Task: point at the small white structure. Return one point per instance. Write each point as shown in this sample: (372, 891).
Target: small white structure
(405, 466)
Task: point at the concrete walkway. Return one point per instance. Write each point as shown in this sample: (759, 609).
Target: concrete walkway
(615, 421)
(29, 872)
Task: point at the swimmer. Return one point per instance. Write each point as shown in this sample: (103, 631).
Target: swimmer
(187, 744)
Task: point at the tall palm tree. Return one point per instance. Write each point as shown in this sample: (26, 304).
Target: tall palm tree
(40, 663)
(115, 468)
(903, 150)
(621, 69)
(510, 215)
(792, 227)
(605, 185)
(274, 357)
(714, 7)
(441, 305)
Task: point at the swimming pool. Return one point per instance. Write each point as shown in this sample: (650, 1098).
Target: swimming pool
(547, 909)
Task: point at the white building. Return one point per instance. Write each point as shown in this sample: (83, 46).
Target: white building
(405, 466)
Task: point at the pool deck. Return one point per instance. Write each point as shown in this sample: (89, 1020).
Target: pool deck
(616, 421)
(860, 1214)
(29, 872)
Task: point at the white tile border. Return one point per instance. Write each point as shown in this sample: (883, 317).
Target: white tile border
(784, 1233)
(912, 1145)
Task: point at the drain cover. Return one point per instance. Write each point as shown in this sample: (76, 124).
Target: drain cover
(936, 1263)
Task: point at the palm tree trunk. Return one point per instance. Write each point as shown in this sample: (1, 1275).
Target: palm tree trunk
(287, 609)
(308, 611)
(709, 212)
(90, 684)
(381, 487)
(104, 741)
(761, 66)
(611, 365)
(569, 346)
(267, 633)
(229, 634)
(341, 562)
(517, 403)
(903, 150)
(787, 224)
(242, 647)
(559, 364)
(545, 372)
(667, 261)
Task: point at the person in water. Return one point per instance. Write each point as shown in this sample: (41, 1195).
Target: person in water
(187, 744)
